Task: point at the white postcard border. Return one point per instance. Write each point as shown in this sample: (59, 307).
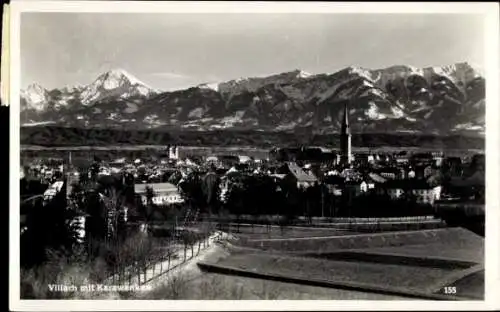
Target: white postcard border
(492, 263)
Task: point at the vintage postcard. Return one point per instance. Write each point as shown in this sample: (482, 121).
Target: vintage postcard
(253, 156)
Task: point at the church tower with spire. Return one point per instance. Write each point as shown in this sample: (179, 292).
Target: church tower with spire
(345, 138)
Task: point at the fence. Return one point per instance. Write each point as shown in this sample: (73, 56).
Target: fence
(276, 219)
(154, 267)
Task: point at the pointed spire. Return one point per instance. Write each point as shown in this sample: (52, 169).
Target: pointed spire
(345, 138)
(345, 120)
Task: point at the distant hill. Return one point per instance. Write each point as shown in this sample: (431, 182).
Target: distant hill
(66, 136)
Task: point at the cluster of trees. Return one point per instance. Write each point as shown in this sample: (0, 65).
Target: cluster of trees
(258, 195)
(112, 240)
(47, 228)
(376, 205)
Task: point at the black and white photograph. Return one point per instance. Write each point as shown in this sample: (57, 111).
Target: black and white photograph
(235, 152)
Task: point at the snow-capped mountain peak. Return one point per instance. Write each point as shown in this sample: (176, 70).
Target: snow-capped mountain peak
(209, 85)
(303, 74)
(35, 88)
(35, 97)
(117, 76)
(73, 89)
(115, 82)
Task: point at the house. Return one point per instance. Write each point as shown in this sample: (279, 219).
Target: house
(119, 161)
(376, 178)
(422, 159)
(365, 159)
(367, 184)
(277, 177)
(402, 174)
(438, 160)
(382, 158)
(334, 184)
(353, 189)
(391, 188)
(356, 188)
(401, 158)
(389, 173)
(295, 174)
(244, 159)
(423, 192)
(164, 193)
(53, 190)
(212, 160)
(426, 194)
(411, 174)
(173, 152)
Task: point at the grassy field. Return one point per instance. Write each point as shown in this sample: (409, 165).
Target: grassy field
(456, 237)
(194, 284)
(458, 251)
(413, 277)
(210, 286)
(396, 276)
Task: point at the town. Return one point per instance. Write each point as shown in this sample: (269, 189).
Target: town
(301, 182)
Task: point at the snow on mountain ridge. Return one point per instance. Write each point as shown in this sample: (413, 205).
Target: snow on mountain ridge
(387, 99)
(116, 75)
(212, 85)
(114, 82)
(35, 97)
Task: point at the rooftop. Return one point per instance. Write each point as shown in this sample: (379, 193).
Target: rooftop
(157, 187)
(300, 174)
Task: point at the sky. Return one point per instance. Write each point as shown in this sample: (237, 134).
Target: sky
(175, 51)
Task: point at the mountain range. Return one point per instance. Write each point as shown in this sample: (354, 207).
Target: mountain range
(435, 100)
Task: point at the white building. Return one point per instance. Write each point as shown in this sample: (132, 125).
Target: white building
(427, 195)
(244, 159)
(395, 193)
(53, 190)
(423, 192)
(173, 152)
(164, 193)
